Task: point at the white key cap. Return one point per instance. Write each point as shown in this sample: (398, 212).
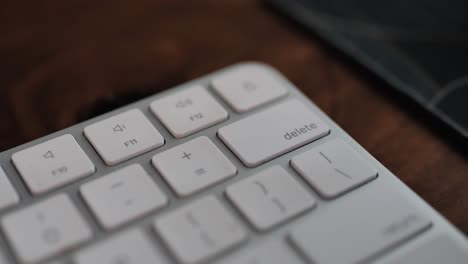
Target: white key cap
(272, 132)
(333, 168)
(123, 136)
(45, 229)
(56, 262)
(123, 196)
(188, 111)
(273, 252)
(2, 258)
(52, 164)
(270, 197)
(358, 228)
(193, 166)
(200, 231)
(8, 195)
(247, 88)
(441, 249)
(130, 247)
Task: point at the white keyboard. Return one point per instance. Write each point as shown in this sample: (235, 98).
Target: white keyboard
(237, 167)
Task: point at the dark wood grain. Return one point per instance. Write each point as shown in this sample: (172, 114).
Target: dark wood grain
(64, 61)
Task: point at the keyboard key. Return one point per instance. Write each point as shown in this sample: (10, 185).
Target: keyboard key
(52, 164)
(56, 262)
(247, 88)
(269, 197)
(3, 258)
(358, 228)
(124, 136)
(8, 195)
(200, 231)
(45, 229)
(193, 166)
(131, 247)
(122, 196)
(273, 252)
(188, 111)
(333, 168)
(441, 249)
(272, 132)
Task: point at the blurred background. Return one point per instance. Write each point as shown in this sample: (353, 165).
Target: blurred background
(60, 60)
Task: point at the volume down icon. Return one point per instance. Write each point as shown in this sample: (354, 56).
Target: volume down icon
(119, 128)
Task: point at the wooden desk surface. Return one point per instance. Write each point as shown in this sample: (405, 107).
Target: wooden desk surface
(64, 61)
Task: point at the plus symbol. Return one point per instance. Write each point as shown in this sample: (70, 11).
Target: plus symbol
(186, 155)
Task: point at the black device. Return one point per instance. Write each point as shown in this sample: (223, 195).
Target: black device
(419, 47)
